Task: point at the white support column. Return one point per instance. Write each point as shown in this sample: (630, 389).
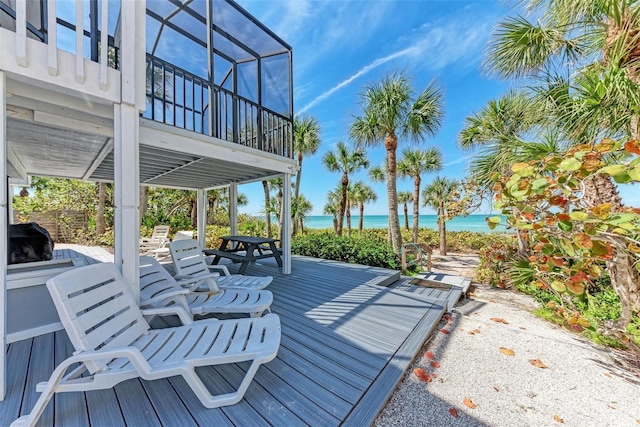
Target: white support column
(127, 195)
(201, 199)
(233, 208)
(126, 144)
(4, 234)
(285, 244)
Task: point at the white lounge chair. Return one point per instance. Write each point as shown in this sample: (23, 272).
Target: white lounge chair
(159, 289)
(190, 263)
(162, 252)
(114, 343)
(158, 239)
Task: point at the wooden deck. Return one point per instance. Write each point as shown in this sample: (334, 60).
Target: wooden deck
(346, 342)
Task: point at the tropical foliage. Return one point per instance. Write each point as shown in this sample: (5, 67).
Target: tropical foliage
(389, 112)
(440, 194)
(347, 162)
(413, 164)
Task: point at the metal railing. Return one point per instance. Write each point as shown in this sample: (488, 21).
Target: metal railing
(181, 99)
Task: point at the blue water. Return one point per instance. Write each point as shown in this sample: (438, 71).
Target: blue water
(469, 223)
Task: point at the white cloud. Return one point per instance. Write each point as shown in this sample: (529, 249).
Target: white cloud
(464, 159)
(364, 70)
(457, 41)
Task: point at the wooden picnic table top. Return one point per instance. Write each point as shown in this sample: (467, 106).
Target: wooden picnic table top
(252, 240)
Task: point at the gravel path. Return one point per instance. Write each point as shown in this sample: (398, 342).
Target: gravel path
(489, 363)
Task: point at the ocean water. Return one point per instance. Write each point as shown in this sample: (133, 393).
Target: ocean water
(470, 223)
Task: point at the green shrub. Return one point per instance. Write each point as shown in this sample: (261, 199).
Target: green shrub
(366, 250)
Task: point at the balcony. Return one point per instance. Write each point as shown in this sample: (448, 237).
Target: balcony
(211, 68)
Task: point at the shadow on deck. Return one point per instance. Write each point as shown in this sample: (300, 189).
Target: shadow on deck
(346, 342)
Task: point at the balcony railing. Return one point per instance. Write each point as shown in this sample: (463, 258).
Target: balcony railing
(181, 99)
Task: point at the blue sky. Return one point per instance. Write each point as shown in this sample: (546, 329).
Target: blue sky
(341, 46)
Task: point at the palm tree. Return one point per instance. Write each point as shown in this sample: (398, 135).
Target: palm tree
(437, 195)
(267, 217)
(362, 194)
(345, 161)
(390, 112)
(404, 198)
(413, 164)
(333, 206)
(306, 140)
(594, 47)
(300, 209)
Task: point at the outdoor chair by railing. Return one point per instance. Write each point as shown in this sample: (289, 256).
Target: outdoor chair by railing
(158, 238)
(421, 256)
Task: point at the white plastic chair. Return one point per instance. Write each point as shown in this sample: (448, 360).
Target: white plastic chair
(114, 343)
(190, 263)
(159, 289)
(162, 252)
(158, 239)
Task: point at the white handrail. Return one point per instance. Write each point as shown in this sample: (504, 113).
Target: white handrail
(80, 41)
(21, 32)
(52, 47)
(104, 45)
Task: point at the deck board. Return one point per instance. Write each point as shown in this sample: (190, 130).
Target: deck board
(346, 342)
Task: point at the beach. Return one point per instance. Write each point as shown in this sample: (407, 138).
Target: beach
(475, 223)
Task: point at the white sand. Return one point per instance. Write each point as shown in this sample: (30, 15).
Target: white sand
(584, 385)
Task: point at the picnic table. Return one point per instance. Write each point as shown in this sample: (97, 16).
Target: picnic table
(254, 248)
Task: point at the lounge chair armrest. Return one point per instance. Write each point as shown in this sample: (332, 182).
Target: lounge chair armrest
(193, 283)
(223, 268)
(163, 296)
(130, 353)
(185, 318)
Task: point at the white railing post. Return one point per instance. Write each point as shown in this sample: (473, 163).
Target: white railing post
(80, 41)
(201, 199)
(104, 45)
(285, 244)
(21, 32)
(233, 208)
(4, 235)
(52, 41)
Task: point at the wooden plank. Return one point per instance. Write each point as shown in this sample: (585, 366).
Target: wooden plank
(376, 397)
(171, 412)
(40, 369)
(18, 358)
(70, 408)
(104, 408)
(135, 405)
(260, 399)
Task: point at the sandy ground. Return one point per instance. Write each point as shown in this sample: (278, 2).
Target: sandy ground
(483, 371)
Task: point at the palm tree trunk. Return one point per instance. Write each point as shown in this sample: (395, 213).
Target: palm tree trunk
(297, 191)
(100, 224)
(267, 215)
(391, 144)
(406, 216)
(348, 213)
(442, 229)
(598, 189)
(144, 201)
(361, 221)
(343, 203)
(416, 207)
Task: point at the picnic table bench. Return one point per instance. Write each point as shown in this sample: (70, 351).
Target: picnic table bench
(254, 248)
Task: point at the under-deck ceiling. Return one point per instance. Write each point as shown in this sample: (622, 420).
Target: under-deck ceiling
(49, 150)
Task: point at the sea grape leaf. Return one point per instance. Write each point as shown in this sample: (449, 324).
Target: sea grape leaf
(558, 286)
(632, 146)
(469, 403)
(579, 216)
(571, 164)
(507, 351)
(613, 170)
